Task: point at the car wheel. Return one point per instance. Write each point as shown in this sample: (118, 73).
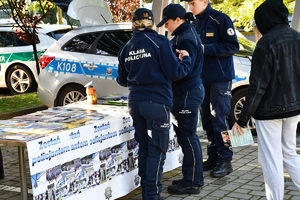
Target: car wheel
(70, 94)
(237, 102)
(20, 80)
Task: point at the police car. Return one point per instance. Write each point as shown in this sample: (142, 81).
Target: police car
(84, 54)
(17, 64)
(90, 54)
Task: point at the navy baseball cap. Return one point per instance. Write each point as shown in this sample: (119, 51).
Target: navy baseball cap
(172, 11)
(139, 14)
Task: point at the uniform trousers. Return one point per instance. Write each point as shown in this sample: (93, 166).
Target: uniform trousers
(185, 110)
(214, 112)
(152, 123)
(276, 152)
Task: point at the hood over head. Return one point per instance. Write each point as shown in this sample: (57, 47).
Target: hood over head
(269, 14)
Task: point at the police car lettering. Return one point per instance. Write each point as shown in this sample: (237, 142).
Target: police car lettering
(66, 67)
(138, 54)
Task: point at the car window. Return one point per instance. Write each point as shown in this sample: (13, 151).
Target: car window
(58, 34)
(110, 43)
(7, 39)
(81, 43)
(11, 39)
(100, 43)
(246, 47)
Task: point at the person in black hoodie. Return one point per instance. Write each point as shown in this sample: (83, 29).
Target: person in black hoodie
(188, 94)
(273, 97)
(147, 66)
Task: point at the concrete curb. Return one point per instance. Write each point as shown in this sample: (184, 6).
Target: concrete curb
(10, 115)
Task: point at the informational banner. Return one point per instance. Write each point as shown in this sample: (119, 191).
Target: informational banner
(95, 161)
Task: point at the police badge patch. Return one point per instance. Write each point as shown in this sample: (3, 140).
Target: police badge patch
(108, 193)
(230, 31)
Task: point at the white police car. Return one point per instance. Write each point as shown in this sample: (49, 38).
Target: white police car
(84, 54)
(17, 64)
(90, 54)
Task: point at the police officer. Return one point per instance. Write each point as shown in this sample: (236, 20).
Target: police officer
(188, 94)
(220, 43)
(147, 66)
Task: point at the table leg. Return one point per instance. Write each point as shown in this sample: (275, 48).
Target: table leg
(22, 167)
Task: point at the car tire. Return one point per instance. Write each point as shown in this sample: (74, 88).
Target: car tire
(70, 94)
(237, 101)
(20, 80)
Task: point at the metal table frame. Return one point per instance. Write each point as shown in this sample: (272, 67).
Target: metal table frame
(22, 164)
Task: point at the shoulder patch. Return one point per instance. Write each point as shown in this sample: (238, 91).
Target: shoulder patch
(230, 32)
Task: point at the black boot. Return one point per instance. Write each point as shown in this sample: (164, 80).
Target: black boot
(221, 170)
(180, 189)
(209, 165)
(176, 182)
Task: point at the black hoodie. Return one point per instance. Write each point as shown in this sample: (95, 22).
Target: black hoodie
(273, 91)
(269, 14)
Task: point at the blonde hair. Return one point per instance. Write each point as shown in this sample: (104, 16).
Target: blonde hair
(142, 23)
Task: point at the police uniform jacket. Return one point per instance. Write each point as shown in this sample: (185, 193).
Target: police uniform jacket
(186, 37)
(147, 66)
(217, 33)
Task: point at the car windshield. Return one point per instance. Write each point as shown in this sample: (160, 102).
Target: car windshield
(246, 47)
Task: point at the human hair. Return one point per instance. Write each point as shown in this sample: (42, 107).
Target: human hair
(143, 23)
(189, 16)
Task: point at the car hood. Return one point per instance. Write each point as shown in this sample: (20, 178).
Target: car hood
(90, 12)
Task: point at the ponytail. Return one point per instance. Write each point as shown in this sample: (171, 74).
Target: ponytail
(189, 16)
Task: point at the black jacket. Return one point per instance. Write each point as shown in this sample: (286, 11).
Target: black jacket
(274, 90)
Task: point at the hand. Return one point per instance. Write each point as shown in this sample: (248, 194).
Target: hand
(237, 128)
(182, 53)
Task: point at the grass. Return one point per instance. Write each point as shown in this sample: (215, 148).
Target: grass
(19, 102)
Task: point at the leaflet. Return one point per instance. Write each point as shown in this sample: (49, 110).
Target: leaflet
(238, 140)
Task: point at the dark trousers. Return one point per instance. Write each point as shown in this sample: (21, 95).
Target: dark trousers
(1, 163)
(214, 112)
(152, 123)
(185, 110)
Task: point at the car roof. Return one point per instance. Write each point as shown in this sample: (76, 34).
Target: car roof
(109, 26)
(95, 28)
(46, 28)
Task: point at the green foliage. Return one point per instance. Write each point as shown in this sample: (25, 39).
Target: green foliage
(122, 10)
(19, 102)
(242, 11)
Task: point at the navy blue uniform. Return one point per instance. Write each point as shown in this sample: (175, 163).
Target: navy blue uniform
(147, 66)
(220, 42)
(188, 95)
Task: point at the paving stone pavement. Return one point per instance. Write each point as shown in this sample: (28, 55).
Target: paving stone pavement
(245, 182)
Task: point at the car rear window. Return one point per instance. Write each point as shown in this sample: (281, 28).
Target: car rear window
(58, 34)
(100, 43)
